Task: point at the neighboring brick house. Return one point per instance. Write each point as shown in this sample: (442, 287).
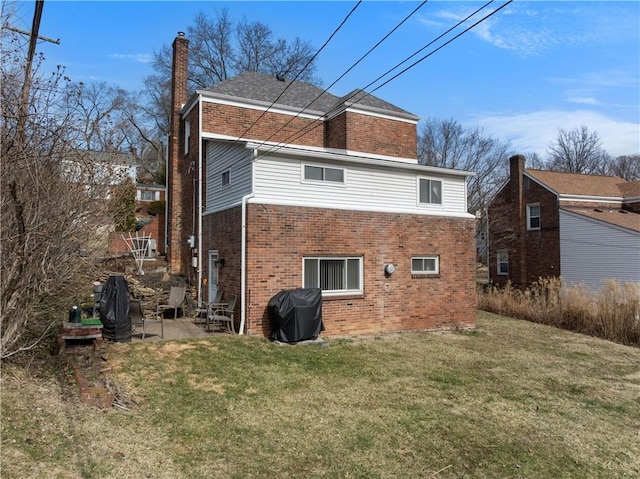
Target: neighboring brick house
(278, 185)
(585, 228)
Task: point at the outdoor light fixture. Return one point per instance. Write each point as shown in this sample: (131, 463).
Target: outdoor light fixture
(389, 269)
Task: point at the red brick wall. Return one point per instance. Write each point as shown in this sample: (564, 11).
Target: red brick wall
(369, 134)
(279, 237)
(175, 166)
(532, 253)
(235, 121)
(381, 136)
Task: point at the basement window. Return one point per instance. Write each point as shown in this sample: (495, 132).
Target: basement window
(333, 275)
(425, 265)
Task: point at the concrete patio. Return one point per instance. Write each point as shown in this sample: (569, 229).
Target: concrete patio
(175, 329)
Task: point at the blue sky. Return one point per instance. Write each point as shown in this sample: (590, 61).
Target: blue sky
(530, 69)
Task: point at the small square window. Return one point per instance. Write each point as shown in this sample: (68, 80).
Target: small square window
(430, 191)
(226, 178)
(425, 265)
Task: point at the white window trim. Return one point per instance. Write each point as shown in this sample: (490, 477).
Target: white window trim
(429, 205)
(303, 179)
(498, 262)
(187, 135)
(529, 227)
(340, 292)
(426, 273)
(222, 183)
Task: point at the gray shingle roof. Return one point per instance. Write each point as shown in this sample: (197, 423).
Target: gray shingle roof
(266, 89)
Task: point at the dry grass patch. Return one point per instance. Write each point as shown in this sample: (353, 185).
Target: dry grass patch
(510, 399)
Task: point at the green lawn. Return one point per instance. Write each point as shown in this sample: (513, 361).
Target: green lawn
(509, 399)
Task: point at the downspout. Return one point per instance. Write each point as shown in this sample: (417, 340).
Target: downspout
(199, 276)
(243, 248)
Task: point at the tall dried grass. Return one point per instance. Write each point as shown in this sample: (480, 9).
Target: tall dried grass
(613, 313)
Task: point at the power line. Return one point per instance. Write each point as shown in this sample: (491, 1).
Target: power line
(332, 84)
(299, 73)
(308, 128)
(348, 70)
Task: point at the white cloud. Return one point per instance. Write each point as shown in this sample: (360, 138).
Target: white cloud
(136, 57)
(532, 132)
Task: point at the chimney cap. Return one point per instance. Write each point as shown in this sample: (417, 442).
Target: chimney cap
(180, 34)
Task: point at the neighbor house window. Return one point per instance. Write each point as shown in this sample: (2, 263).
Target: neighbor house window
(322, 173)
(333, 275)
(147, 196)
(533, 217)
(430, 191)
(187, 135)
(503, 262)
(425, 265)
(226, 178)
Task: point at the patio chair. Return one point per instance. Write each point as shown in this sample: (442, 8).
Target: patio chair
(138, 318)
(175, 301)
(223, 314)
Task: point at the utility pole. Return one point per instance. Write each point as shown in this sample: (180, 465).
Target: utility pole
(26, 86)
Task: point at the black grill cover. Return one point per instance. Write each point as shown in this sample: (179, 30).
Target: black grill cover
(296, 315)
(114, 310)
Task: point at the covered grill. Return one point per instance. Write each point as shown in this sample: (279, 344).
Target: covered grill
(296, 315)
(114, 310)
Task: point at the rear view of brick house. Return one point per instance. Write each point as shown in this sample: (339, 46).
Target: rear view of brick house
(278, 185)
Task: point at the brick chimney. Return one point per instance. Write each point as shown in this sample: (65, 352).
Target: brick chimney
(516, 180)
(175, 238)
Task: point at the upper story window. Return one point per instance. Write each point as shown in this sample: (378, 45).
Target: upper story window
(322, 173)
(425, 264)
(430, 191)
(333, 275)
(533, 216)
(226, 178)
(187, 136)
(503, 262)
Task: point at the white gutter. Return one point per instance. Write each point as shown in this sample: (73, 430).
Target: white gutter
(243, 249)
(199, 205)
(243, 263)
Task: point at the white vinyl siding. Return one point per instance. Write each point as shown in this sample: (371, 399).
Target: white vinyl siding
(372, 188)
(591, 251)
(232, 161)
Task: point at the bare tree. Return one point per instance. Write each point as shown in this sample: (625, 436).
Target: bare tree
(96, 112)
(578, 151)
(49, 222)
(626, 167)
(447, 144)
(220, 48)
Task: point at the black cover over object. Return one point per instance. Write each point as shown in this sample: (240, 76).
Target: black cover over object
(296, 315)
(114, 310)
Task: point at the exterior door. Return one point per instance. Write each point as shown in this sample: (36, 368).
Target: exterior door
(213, 275)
